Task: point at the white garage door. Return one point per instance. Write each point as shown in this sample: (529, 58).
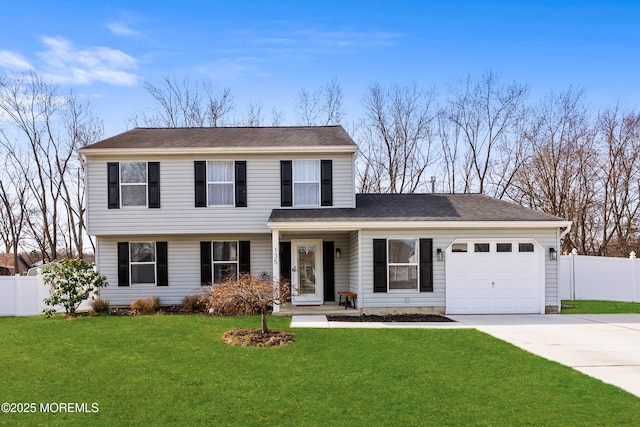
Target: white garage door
(494, 277)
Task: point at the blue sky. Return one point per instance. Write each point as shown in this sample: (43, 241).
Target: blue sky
(266, 51)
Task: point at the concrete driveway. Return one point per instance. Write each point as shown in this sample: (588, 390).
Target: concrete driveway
(604, 346)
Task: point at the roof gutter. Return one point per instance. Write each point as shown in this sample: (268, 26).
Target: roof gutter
(395, 225)
(156, 151)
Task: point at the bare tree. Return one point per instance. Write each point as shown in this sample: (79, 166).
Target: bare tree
(489, 115)
(398, 136)
(81, 128)
(277, 117)
(619, 135)
(41, 133)
(559, 176)
(183, 103)
(13, 209)
(321, 107)
(254, 116)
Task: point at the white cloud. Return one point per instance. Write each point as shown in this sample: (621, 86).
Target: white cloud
(311, 40)
(121, 29)
(69, 64)
(13, 60)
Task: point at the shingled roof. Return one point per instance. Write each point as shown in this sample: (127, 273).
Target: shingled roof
(228, 137)
(417, 207)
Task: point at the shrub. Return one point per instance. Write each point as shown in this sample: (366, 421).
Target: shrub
(246, 295)
(193, 304)
(146, 305)
(100, 306)
(71, 281)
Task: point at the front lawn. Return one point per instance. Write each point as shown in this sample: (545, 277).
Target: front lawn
(173, 370)
(598, 307)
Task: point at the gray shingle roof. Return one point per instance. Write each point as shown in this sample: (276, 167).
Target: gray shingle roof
(227, 137)
(417, 207)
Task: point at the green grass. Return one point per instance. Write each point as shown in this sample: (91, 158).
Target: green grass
(598, 307)
(173, 370)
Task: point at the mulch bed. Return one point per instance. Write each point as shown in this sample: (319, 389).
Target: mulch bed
(390, 318)
(256, 338)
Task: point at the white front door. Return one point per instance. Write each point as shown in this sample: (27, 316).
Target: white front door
(306, 272)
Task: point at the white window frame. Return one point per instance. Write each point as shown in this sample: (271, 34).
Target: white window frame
(214, 262)
(232, 182)
(294, 182)
(154, 263)
(416, 263)
(127, 184)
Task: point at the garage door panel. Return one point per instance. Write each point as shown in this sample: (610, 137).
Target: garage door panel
(494, 282)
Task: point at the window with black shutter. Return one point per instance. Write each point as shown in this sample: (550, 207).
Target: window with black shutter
(154, 184)
(379, 265)
(286, 183)
(113, 185)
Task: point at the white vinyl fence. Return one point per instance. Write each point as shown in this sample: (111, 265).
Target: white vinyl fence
(22, 295)
(599, 278)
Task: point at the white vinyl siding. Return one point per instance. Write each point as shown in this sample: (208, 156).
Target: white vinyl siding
(178, 212)
(442, 239)
(183, 255)
(184, 265)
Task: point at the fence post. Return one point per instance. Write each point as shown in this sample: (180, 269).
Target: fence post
(634, 276)
(16, 292)
(574, 254)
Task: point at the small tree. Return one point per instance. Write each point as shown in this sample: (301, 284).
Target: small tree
(71, 281)
(247, 295)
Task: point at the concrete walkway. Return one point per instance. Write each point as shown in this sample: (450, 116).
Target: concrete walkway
(604, 346)
(320, 321)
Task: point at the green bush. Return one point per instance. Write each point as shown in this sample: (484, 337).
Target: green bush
(71, 281)
(100, 306)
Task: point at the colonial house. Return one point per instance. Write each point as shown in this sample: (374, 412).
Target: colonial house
(176, 209)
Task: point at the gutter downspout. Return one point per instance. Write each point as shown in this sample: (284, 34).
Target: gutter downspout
(572, 284)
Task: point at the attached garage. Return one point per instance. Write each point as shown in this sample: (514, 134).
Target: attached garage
(487, 276)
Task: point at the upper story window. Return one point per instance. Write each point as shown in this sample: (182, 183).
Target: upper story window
(133, 183)
(306, 183)
(220, 183)
(220, 180)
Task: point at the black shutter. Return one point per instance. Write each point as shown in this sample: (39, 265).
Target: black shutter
(426, 265)
(328, 267)
(200, 172)
(379, 265)
(162, 264)
(205, 263)
(241, 184)
(113, 185)
(326, 183)
(154, 184)
(286, 183)
(244, 256)
(123, 263)
(285, 260)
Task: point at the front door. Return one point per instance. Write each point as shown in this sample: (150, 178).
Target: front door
(306, 272)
